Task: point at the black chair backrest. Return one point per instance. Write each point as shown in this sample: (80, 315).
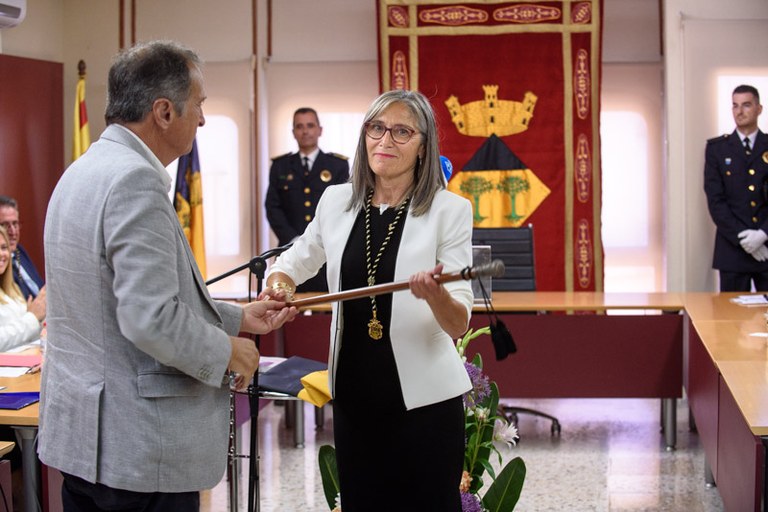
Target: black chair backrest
(513, 246)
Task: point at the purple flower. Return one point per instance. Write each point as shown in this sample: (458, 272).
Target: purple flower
(480, 386)
(470, 503)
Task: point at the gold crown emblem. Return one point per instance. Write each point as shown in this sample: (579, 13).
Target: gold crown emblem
(490, 116)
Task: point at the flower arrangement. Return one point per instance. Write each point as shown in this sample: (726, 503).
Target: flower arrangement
(484, 428)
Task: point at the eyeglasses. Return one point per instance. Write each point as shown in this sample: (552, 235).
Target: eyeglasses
(399, 133)
(10, 225)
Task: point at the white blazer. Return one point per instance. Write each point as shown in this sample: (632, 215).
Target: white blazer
(428, 365)
(17, 325)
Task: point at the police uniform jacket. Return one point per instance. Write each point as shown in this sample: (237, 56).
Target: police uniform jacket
(735, 184)
(293, 193)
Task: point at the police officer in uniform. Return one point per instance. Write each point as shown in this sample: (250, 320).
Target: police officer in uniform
(296, 182)
(735, 175)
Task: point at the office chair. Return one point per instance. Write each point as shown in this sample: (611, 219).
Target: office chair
(514, 246)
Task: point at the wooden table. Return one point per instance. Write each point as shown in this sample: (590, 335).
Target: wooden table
(568, 346)
(25, 421)
(727, 384)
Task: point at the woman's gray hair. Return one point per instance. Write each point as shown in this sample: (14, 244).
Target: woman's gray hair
(428, 175)
(147, 72)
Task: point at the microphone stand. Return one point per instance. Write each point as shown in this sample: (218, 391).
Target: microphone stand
(257, 266)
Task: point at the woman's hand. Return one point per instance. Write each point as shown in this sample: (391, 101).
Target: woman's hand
(37, 306)
(424, 286)
(449, 313)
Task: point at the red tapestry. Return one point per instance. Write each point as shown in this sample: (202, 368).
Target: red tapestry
(515, 87)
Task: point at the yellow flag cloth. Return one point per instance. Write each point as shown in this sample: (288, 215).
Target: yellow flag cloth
(81, 136)
(316, 389)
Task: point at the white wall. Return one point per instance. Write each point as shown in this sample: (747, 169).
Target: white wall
(701, 38)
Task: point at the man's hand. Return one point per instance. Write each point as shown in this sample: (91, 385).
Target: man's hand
(752, 239)
(244, 361)
(263, 316)
(761, 254)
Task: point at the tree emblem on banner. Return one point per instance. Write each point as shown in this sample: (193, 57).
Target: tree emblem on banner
(503, 190)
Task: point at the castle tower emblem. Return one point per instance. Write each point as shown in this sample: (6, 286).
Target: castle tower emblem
(491, 116)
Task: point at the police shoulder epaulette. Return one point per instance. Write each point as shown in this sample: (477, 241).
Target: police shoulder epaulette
(281, 156)
(719, 138)
(342, 157)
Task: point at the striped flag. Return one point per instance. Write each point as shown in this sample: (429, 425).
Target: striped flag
(188, 201)
(81, 136)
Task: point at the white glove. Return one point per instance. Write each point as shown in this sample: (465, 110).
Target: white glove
(761, 254)
(752, 239)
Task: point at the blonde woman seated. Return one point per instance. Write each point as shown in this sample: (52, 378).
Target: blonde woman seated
(20, 320)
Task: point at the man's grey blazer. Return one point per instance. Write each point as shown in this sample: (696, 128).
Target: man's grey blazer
(132, 389)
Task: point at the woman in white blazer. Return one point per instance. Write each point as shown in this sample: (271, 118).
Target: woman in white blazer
(395, 375)
(20, 322)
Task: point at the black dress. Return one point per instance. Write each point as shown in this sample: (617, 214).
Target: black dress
(388, 458)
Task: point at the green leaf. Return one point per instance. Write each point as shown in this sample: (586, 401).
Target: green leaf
(489, 468)
(329, 474)
(504, 492)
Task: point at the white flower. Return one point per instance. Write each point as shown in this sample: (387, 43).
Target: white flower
(482, 413)
(338, 503)
(505, 432)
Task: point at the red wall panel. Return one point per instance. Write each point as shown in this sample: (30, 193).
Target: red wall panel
(31, 141)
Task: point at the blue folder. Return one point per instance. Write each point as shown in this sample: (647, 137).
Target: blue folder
(18, 400)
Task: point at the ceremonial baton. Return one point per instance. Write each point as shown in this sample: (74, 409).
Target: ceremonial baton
(492, 269)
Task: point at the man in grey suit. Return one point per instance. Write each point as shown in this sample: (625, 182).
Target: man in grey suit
(134, 391)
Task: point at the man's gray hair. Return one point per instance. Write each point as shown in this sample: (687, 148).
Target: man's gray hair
(147, 72)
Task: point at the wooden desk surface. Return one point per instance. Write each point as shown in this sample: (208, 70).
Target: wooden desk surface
(564, 301)
(747, 382)
(727, 331)
(6, 447)
(26, 416)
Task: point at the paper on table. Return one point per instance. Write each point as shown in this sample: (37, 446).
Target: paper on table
(751, 300)
(13, 371)
(266, 363)
(7, 359)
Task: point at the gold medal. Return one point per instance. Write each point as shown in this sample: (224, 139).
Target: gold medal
(374, 328)
(765, 157)
(325, 175)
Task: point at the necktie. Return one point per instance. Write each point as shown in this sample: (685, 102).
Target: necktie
(306, 165)
(746, 146)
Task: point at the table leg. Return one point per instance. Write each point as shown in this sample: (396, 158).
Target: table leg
(670, 422)
(298, 427)
(30, 467)
(709, 478)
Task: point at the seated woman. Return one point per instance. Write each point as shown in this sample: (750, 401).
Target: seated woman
(20, 323)
(20, 320)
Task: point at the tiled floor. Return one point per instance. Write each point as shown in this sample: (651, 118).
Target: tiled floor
(609, 457)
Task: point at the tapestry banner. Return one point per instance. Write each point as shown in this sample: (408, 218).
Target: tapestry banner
(515, 87)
